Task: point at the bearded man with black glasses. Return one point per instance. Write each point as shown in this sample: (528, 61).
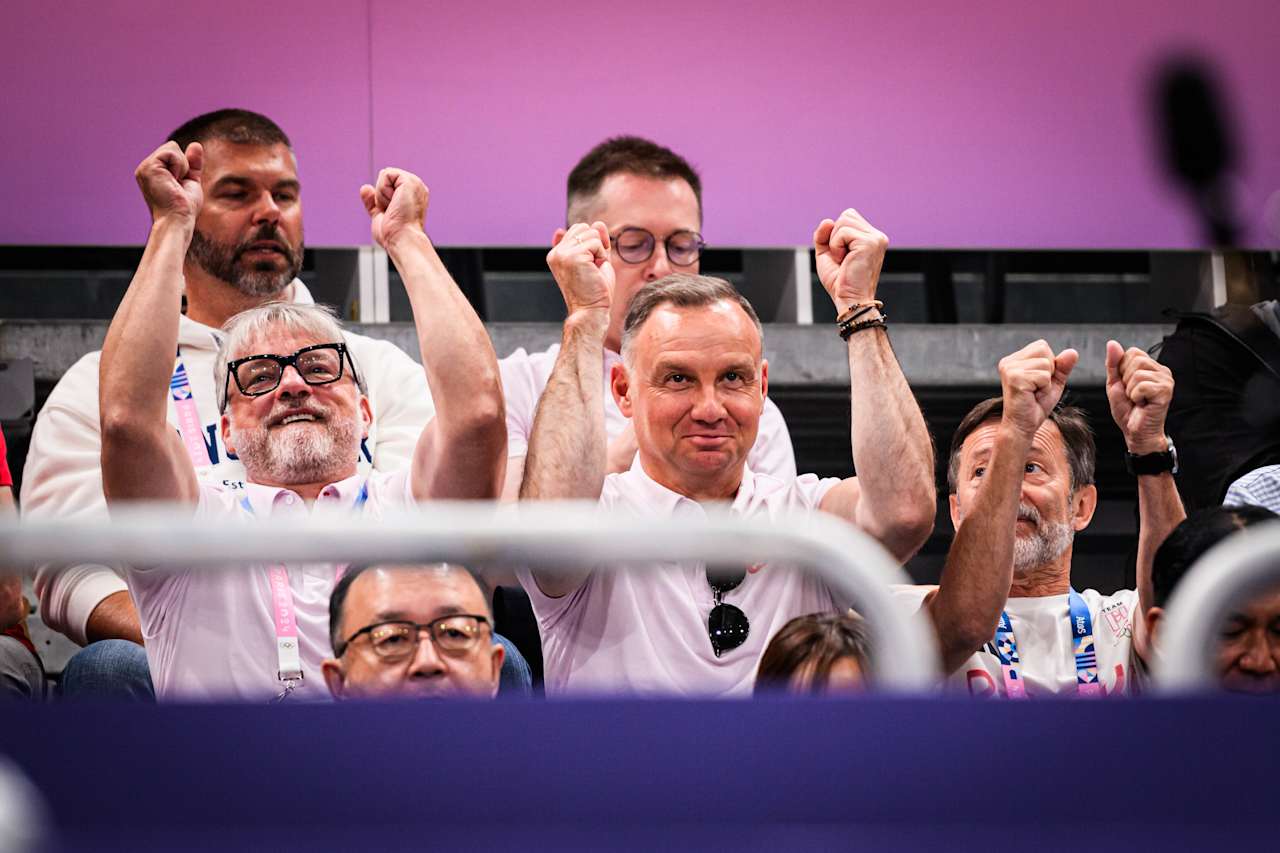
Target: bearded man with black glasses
(294, 409)
(650, 200)
(693, 381)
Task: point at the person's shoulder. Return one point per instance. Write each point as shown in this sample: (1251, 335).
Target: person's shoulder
(1119, 607)
(375, 349)
(81, 375)
(802, 490)
(536, 360)
(1267, 475)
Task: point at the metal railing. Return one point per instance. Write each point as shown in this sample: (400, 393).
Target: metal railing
(1228, 574)
(548, 537)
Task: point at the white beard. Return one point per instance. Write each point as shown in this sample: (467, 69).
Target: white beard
(1044, 545)
(306, 453)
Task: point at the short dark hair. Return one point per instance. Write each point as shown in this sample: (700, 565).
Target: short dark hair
(684, 291)
(243, 127)
(814, 643)
(632, 155)
(1072, 423)
(338, 598)
(1195, 535)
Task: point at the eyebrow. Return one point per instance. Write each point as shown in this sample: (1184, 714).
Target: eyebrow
(241, 181)
(401, 616)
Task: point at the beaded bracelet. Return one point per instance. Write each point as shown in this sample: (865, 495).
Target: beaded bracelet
(852, 313)
(848, 327)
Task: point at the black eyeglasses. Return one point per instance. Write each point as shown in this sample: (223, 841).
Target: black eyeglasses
(636, 245)
(319, 364)
(727, 625)
(396, 640)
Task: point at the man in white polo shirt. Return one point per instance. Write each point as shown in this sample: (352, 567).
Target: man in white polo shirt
(1021, 478)
(294, 410)
(253, 195)
(693, 382)
(650, 199)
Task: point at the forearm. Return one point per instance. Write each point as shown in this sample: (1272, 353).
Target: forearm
(979, 566)
(468, 433)
(115, 618)
(1159, 512)
(567, 448)
(137, 356)
(891, 448)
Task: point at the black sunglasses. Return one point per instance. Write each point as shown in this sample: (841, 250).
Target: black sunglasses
(727, 625)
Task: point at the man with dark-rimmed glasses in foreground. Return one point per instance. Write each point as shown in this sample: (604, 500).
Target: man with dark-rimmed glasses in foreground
(423, 632)
(294, 409)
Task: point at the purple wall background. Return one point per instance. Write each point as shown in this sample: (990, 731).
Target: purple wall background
(998, 125)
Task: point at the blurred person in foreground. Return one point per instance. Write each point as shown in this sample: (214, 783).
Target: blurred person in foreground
(294, 409)
(246, 250)
(21, 673)
(1248, 651)
(650, 201)
(1021, 474)
(693, 381)
(422, 632)
(821, 654)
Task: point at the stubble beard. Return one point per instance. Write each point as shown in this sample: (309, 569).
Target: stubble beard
(223, 262)
(298, 454)
(1046, 543)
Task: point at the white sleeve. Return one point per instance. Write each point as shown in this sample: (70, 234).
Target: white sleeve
(400, 399)
(63, 479)
(521, 391)
(772, 453)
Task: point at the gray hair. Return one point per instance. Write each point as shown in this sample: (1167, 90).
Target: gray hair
(683, 291)
(317, 321)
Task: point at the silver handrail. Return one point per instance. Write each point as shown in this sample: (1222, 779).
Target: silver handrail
(1228, 573)
(550, 536)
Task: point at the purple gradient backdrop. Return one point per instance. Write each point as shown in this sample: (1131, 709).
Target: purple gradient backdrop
(997, 125)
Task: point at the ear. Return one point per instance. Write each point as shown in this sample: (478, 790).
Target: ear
(1154, 616)
(331, 669)
(1084, 503)
(764, 380)
(557, 237)
(226, 435)
(366, 415)
(954, 505)
(499, 655)
(620, 385)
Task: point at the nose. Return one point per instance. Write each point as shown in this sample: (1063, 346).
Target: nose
(1257, 657)
(266, 210)
(659, 263)
(292, 384)
(426, 661)
(708, 407)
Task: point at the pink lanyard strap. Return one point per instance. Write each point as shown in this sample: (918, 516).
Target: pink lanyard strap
(189, 425)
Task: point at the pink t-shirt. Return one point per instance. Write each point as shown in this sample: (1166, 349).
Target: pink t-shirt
(645, 630)
(210, 633)
(525, 375)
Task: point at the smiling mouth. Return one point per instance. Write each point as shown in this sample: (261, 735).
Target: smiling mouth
(297, 417)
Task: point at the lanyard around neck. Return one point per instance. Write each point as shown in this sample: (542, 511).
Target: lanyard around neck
(1086, 658)
(283, 614)
(190, 427)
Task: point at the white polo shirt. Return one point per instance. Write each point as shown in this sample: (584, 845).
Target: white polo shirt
(1046, 646)
(210, 634)
(524, 378)
(644, 630)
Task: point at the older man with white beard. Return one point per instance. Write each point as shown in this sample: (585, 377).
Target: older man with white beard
(1021, 476)
(294, 409)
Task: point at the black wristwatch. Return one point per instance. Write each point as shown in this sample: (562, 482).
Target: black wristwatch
(1149, 464)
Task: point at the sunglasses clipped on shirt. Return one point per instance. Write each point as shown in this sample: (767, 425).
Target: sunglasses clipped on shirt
(727, 625)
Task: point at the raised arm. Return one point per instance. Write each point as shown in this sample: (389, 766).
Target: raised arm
(1139, 390)
(892, 497)
(567, 449)
(142, 456)
(979, 568)
(462, 450)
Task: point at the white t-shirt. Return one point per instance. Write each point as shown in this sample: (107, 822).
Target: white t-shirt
(63, 475)
(645, 630)
(525, 375)
(210, 632)
(1046, 649)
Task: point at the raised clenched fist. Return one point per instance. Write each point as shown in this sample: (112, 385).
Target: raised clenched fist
(170, 182)
(1139, 389)
(1032, 381)
(849, 252)
(397, 205)
(580, 263)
